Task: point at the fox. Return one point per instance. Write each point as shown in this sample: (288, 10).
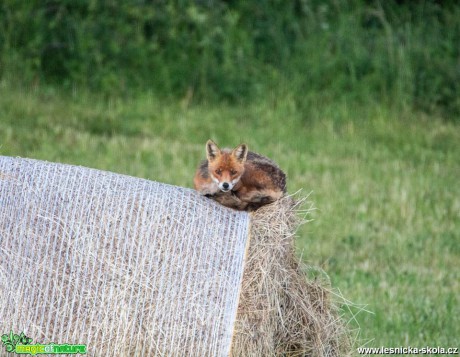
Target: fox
(238, 178)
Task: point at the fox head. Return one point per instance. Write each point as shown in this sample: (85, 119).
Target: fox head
(226, 166)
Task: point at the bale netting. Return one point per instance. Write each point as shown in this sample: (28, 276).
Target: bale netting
(281, 312)
(127, 266)
(132, 267)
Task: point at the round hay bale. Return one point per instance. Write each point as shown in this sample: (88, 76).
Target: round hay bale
(132, 267)
(127, 266)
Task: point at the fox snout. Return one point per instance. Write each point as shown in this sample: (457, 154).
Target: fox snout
(225, 186)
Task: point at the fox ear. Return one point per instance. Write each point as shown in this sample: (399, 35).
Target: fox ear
(240, 152)
(212, 150)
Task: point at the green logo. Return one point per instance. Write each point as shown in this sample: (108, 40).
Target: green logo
(13, 339)
(21, 344)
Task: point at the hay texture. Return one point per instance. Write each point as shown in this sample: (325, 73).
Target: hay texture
(281, 312)
(127, 266)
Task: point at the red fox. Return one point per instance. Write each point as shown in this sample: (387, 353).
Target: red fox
(239, 178)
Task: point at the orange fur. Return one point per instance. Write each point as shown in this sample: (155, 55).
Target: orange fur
(238, 178)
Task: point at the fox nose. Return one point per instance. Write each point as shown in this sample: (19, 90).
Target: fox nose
(225, 186)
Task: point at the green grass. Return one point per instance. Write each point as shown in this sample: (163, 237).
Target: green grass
(385, 183)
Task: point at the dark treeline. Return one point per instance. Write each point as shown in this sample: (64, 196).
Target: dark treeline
(403, 52)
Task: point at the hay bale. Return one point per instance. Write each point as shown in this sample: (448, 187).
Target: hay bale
(129, 267)
(132, 267)
(281, 312)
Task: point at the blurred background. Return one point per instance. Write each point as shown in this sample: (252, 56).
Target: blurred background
(358, 101)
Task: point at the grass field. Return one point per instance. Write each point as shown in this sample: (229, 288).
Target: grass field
(385, 183)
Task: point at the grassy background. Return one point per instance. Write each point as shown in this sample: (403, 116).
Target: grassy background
(358, 101)
(385, 185)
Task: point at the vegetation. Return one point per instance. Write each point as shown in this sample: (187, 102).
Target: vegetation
(357, 101)
(403, 54)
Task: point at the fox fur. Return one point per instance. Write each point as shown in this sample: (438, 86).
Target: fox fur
(239, 178)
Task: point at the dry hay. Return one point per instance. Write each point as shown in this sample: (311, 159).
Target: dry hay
(281, 312)
(129, 267)
(135, 268)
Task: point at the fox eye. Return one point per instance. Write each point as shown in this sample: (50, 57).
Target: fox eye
(233, 172)
(218, 171)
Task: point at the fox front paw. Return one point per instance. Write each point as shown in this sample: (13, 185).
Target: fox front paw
(208, 190)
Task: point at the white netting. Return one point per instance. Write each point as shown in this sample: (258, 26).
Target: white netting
(128, 266)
